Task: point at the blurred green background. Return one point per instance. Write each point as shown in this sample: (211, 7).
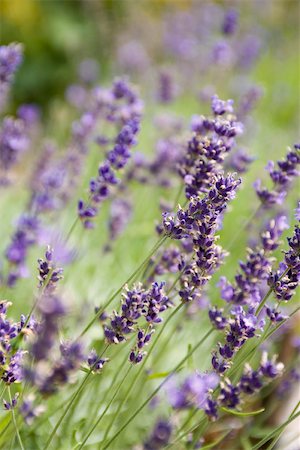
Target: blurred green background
(57, 35)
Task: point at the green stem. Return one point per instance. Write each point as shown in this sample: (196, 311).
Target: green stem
(106, 409)
(276, 439)
(14, 419)
(131, 386)
(110, 300)
(149, 398)
(275, 432)
(78, 391)
(262, 303)
(243, 228)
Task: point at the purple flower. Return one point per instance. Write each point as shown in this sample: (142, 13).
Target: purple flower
(230, 21)
(242, 326)
(193, 391)
(14, 141)
(285, 281)
(124, 110)
(29, 411)
(166, 87)
(217, 319)
(51, 309)
(229, 395)
(220, 107)
(10, 58)
(257, 267)
(281, 177)
(29, 113)
(137, 302)
(251, 381)
(270, 236)
(269, 368)
(11, 405)
(212, 141)
(159, 437)
(274, 315)
(297, 212)
(49, 275)
(94, 362)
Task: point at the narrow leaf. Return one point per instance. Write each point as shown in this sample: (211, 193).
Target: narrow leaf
(243, 414)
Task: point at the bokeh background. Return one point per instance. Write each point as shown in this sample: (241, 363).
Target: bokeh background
(79, 43)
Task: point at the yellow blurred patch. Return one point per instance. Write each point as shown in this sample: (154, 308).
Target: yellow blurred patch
(22, 13)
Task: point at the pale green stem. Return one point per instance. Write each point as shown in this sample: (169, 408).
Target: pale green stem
(110, 300)
(78, 391)
(131, 386)
(276, 431)
(106, 409)
(14, 419)
(149, 398)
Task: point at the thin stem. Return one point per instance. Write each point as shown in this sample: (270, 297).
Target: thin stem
(106, 409)
(78, 391)
(114, 379)
(149, 398)
(262, 303)
(110, 300)
(276, 431)
(178, 195)
(243, 228)
(14, 419)
(132, 384)
(273, 443)
(190, 430)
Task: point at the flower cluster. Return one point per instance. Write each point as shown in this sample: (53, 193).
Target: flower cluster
(160, 436)
(194, 390)
(14, 141)
(281, 177)
(285, 281)
(11, 359)
(49, 275)
(136, 303)
(166, 87)
(200, 223)
(10, 58)
(230, 21)
(240, 327)
(246, 289)
(232, 395)
(23, 238)
(212, 141)
(95, 362)
(120, 214)
(117, 158)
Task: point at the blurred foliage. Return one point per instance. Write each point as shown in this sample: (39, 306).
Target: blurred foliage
(58, 34)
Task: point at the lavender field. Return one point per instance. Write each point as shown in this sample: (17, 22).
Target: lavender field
(150, 239)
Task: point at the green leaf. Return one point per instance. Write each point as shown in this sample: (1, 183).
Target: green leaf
(153, 376)
(243, 414)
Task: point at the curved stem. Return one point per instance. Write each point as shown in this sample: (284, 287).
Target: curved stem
(14, 419)
(149, 398)
(137, 375)
(115, 294)
(243, 228)
(78, 391)
(262, 303)
(106, 409)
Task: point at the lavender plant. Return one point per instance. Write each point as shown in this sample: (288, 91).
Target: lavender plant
(175, 322)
